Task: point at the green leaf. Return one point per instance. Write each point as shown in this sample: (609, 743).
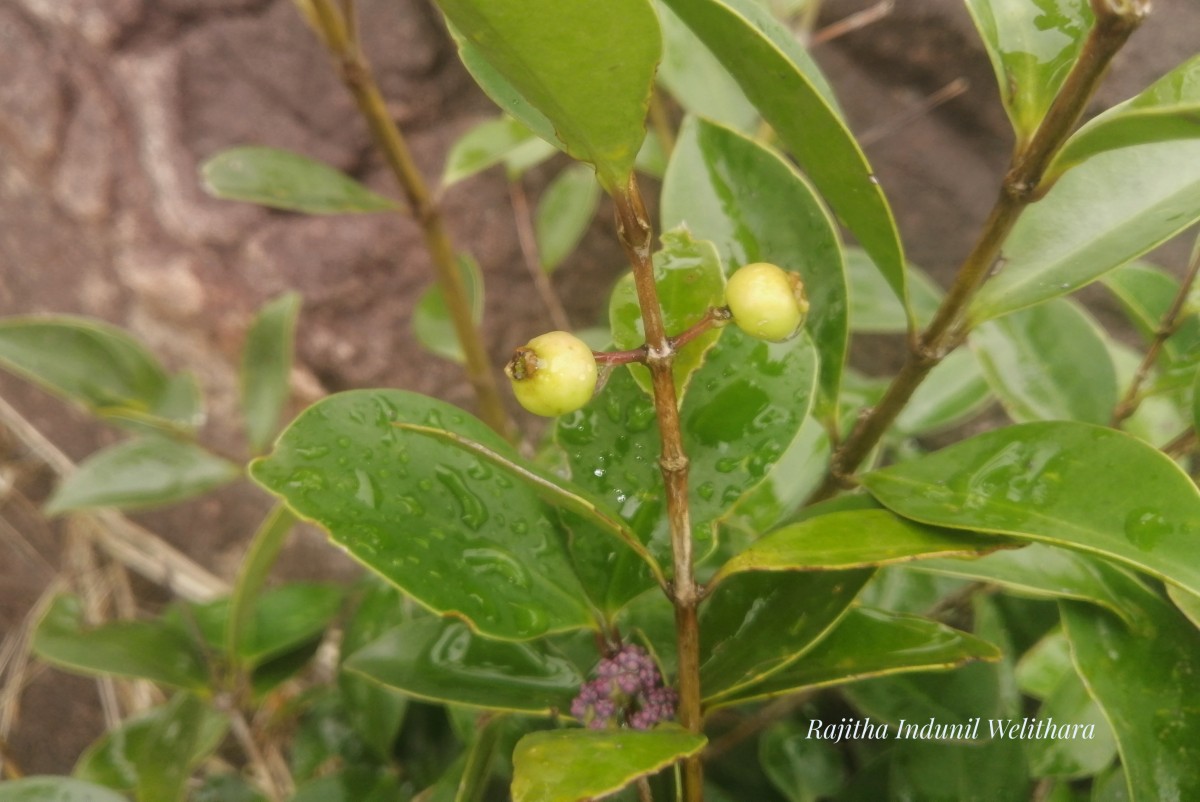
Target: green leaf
(870, 643)
(564, 213)
(1077, 757)
(1097, 217)
(284, 180)
(756, 624)
(954, 392)
(486, 144)
(352, 784)
(1146, 293)
(587, 67)
(1146, 687)
(442, 661)
(59, 789)
(422, 513)
(854, 539)
(690, 281)
(697, 80)
(570, 765)
(1188, 603)
(155, 753)
(1042, 669)
(1048, 362)
(99, 366)
(252, 574)
(143, 472)
(150, 650)
(431, 319)
(1032, 46)
(874, 307)
(1046, 572)
(804, 119)
(1168, 109)
(804, 769)
(755, 207)
(374, 712)
(267, 367)
(1069, 484)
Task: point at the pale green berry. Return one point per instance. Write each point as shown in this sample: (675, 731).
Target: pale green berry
(553, 374)
(766, 302)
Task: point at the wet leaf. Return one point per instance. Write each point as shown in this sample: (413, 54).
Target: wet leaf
(755, 207)
(870, 643)
(152, 650)
(267, 368)
(1048, 362)
(1146, 687)
(1098, 216)
(690, 281)
(1069, 484)
(855, 539)
(571, 765)
(154, 754)
(775, 81)
(564, 213)
(487, 144)
(1168, 109)
(431, 320)
(1032, 46)
(284, 180)
(756, 624)
(588, 68)
(419, 511)
(98, 366)
(143, 472)
(442, 661)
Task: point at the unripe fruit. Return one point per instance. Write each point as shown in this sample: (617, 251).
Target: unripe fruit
(553, 374)
(766, 302)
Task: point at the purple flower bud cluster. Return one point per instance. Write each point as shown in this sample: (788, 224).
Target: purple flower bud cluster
(627, 690)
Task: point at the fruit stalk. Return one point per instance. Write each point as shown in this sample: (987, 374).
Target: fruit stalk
(635, 233)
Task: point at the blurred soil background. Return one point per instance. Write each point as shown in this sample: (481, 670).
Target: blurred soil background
(107, 107)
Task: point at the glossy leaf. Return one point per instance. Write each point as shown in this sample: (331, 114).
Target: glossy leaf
(803, 118)
(1046, 572)
(1048, 362)
(442, 661)
(756, 624)
(690, 281)
(564, 213)
(755, 207)
(431, 319)
(150, 650)
(1168, 109)
(1077, 757)
(155, 754)
(486, 144)
(1146, 293)
(870, 643)
(571, 765)
(1073, 485)
(267, 368)
(96, 365)
(284, 180)
(588, 68)
(1188, 603)
(954, 392)
(143, 472)
(1032, 46)
(252, 574)
(420, 512)
(854, 539)
(874, 307)
(59, 789)
(1146, 687)
(1097, 217)
(697, 80)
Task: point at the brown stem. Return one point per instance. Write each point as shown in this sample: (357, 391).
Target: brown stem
(1168, 326)
(357, 76)
(854, 22)
(1022, 185)
(634, 230)
(1181, 444)
(527, 239)
(715, 316)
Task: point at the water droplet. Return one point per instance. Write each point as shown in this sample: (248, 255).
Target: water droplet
(367, 494)
(479, 471)
(706, 491)
(312, 452)
(474, 513)
(306, 479)
(1146, 527)
(488, 561)
(727, 464)
(343, 442)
